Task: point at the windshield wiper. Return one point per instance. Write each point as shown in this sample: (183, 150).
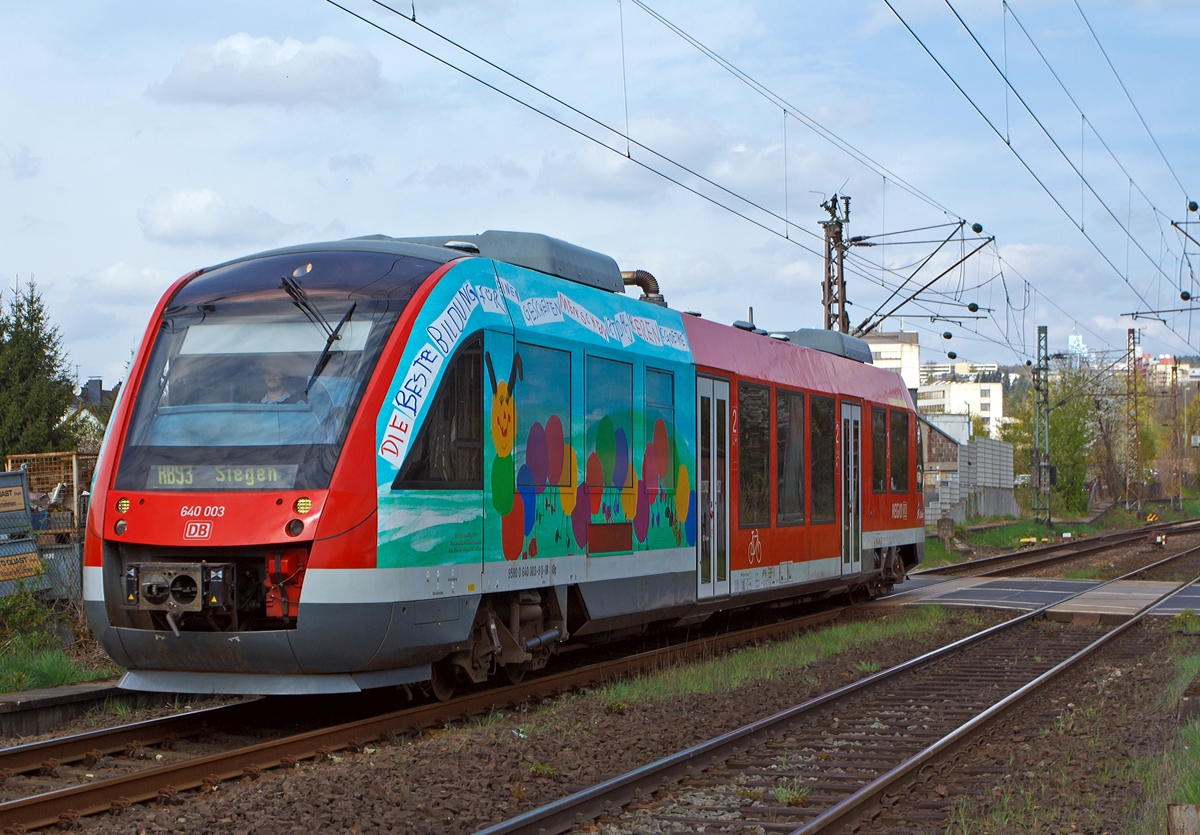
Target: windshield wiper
(301, 299)
(333, 337)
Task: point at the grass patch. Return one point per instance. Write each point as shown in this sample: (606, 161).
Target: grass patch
(36, 643)
(1173, 777)
(1084, 574)
(770, 661)
(936, 554)
(30, 669)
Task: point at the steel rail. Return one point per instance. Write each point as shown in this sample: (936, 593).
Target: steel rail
(32, 756)
(565, 813)
(67, 804)
(854, 807)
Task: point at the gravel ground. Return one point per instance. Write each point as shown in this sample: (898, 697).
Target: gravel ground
(1072, 759)
(456, 779)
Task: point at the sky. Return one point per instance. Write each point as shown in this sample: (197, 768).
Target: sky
(140, 141)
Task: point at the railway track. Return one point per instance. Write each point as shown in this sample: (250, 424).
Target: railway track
(823, 765)
(60, 780)
(1015, 562)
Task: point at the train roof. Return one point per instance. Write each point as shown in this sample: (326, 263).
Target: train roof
(752, 355)
(369, 243)
(522, 249)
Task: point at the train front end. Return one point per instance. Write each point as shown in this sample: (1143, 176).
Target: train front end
(236, 477)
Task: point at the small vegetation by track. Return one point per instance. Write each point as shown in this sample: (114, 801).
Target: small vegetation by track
(1006, 538)
(461, 776)
(45, 646)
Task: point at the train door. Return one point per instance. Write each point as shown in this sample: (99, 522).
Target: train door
(851, 488)
(712, 549)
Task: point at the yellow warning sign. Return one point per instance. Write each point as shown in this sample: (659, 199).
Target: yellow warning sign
(18, 566)
(1151, 517)
(12, 499)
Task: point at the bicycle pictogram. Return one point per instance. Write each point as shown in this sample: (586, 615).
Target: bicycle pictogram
(754, 553)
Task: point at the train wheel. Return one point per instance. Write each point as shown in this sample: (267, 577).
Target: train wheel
(514, 673)
(442, 681)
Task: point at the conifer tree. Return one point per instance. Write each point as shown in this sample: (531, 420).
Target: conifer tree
(36, 388)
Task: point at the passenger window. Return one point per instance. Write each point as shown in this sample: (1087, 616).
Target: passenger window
(543, 401)
(609, 422)
(789, 457)
(920, 459)
(754, 455)
(879, 450)
(448, 452)
(822, 446)
(660, 424)
(899, 451)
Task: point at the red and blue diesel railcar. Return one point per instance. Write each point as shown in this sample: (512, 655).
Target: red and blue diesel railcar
(381, 461)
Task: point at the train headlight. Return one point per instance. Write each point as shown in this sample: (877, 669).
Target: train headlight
(303, 504)
(122, 505)
(119, 528)
(295, 527)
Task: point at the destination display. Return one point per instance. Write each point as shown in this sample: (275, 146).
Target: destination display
(221, 477)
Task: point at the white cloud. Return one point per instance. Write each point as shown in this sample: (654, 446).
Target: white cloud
(24, 164)
(201, 216)
(242, 69)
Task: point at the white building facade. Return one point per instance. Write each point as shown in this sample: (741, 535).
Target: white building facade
(898, 351)
(953, 398)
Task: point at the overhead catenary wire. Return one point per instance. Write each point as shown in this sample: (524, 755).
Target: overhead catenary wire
(779, 101)
(944, 297)
(1133, 104)
(1066, 157)
(1024, 163)
(595, 121)
(1095, 132)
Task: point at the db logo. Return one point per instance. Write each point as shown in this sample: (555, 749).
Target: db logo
(197, 530)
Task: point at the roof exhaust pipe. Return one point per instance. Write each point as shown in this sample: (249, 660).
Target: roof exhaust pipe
(648, 283)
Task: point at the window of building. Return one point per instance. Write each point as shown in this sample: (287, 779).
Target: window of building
(609, 421)
(789, 457)
(822, 468)
(543, 401)
(879, 450)
(985, 392)
(448, 452)
(660, 409)
(754, 455)
(899, 450)
(985, 407)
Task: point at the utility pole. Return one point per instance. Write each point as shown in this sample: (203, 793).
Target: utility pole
(1176, 443)
(1133, 452)
(1040, 465)
(833, 286)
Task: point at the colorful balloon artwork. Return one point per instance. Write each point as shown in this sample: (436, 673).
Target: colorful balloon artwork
(548, 479)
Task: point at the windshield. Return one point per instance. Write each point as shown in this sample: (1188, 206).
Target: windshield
(258, 368)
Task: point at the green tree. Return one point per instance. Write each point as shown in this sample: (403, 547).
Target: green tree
(1071, 434)
(36, 388)
(1017, 430)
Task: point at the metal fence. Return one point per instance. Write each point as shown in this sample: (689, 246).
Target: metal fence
(58, 492)
(43, 505)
